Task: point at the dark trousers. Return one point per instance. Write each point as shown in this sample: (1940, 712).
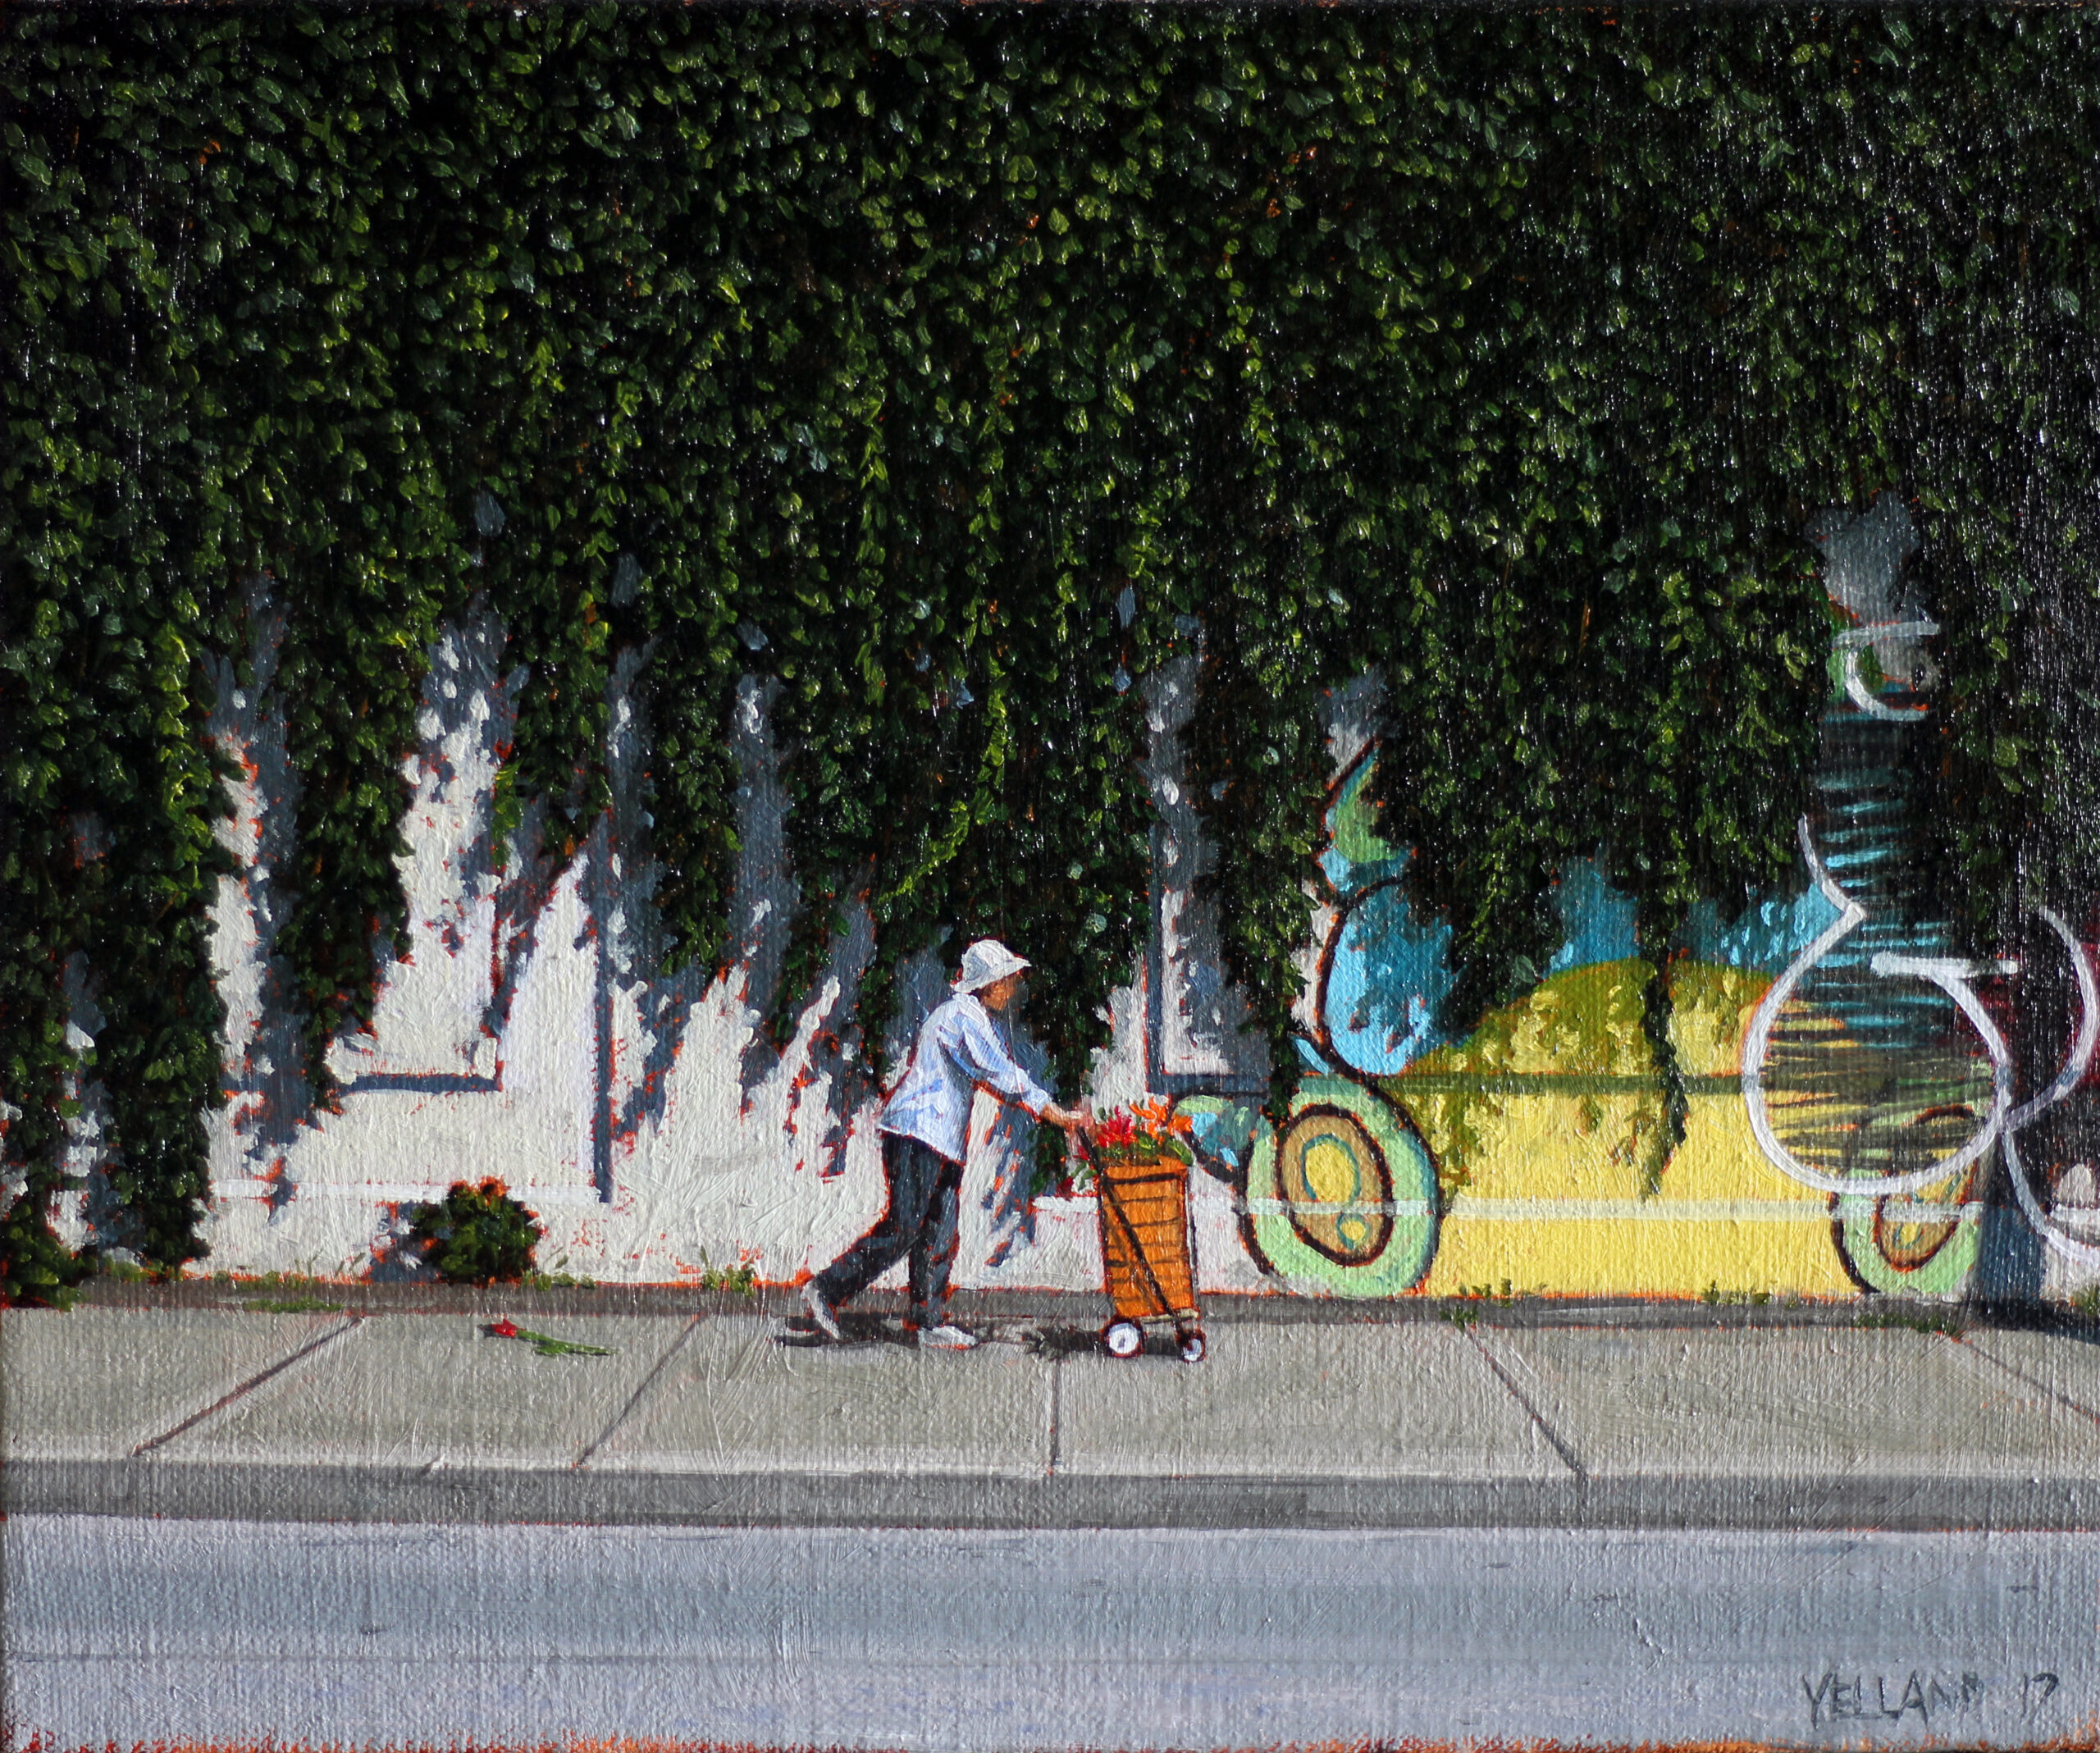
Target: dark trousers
(925, 1210)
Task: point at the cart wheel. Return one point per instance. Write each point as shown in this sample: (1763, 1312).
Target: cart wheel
(1193, 1348)
(1125, 1338)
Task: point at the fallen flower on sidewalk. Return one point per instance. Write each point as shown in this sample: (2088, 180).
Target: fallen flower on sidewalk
(545, 1345)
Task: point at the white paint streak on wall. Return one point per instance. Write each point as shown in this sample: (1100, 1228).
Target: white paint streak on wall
(525, 1035)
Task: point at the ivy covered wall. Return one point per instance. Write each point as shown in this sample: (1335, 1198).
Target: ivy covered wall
(955, 370)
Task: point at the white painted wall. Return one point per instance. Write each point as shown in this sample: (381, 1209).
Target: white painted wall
(648, 1122)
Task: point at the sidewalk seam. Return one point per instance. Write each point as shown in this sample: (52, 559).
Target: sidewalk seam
(351, 1325)
(635, 1399)
(2055, 1393)
(1568, 1456)
(1057, 1387)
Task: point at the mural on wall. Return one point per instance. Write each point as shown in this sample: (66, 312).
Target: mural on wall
(1342, 604)
(1848, 1085)
(1847, 1094)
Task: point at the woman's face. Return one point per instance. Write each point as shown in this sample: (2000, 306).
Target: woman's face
(1000, 993)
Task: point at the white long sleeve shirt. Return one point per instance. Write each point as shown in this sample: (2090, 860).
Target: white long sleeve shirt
(958, 1052)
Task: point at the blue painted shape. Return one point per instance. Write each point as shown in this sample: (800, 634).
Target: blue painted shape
(1599, 923)
(1223, 1131)
(1768, 935)
(1314, 1060)
(1596, 919)
(1208, 1133)
(1389, 973)
(1390, 970)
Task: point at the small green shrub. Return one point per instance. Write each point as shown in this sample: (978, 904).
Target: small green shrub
(475, 1235)
(743, 1279)
(558, 1280)
(122, 1268)
(293, 1283)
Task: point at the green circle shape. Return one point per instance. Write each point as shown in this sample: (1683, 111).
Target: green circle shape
(1884, 1245)
(1333, 1180)
(1355, 1268)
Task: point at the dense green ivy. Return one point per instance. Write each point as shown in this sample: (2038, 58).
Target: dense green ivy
(110, 598)
(957, 368)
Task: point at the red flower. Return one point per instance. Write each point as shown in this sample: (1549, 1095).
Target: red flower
(505, 1328)
(1117, 1131)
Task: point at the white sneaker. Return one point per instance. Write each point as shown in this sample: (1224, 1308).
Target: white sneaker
(946, 1337)
(820, 1311)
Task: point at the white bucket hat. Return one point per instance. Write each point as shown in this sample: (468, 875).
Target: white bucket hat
(986, 962)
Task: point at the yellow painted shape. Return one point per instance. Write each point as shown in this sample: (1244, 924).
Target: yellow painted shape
(1561, 1145)
(1587, 1020)
(1534, 1151)
(1710, 1010)
(1330, 1174)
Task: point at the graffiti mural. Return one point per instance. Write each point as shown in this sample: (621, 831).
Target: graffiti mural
(1851, 1119)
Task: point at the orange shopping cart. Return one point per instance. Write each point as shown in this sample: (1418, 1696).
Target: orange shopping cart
(1146, 1252)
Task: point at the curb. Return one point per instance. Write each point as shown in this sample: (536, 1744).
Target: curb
(1078, 1310)
(265, 1492)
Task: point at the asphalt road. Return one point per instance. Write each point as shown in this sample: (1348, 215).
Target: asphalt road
(128, 1629)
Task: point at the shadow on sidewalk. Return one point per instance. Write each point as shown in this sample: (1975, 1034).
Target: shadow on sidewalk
(804, 1334)
(1047, 1340)
(1039, 1338)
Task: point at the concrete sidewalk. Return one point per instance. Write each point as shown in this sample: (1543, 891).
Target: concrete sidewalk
(717, 1410)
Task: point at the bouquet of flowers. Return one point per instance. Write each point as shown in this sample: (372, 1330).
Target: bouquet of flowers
(1150, 1132)
(546, 1345)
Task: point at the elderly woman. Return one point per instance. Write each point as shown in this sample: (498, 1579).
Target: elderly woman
(924, 1127)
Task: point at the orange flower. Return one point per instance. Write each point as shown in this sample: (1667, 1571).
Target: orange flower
(1161, 1122)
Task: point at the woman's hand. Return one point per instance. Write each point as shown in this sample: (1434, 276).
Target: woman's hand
(1068, 1118)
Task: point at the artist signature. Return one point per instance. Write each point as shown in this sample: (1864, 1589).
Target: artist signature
(1833, 1698)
